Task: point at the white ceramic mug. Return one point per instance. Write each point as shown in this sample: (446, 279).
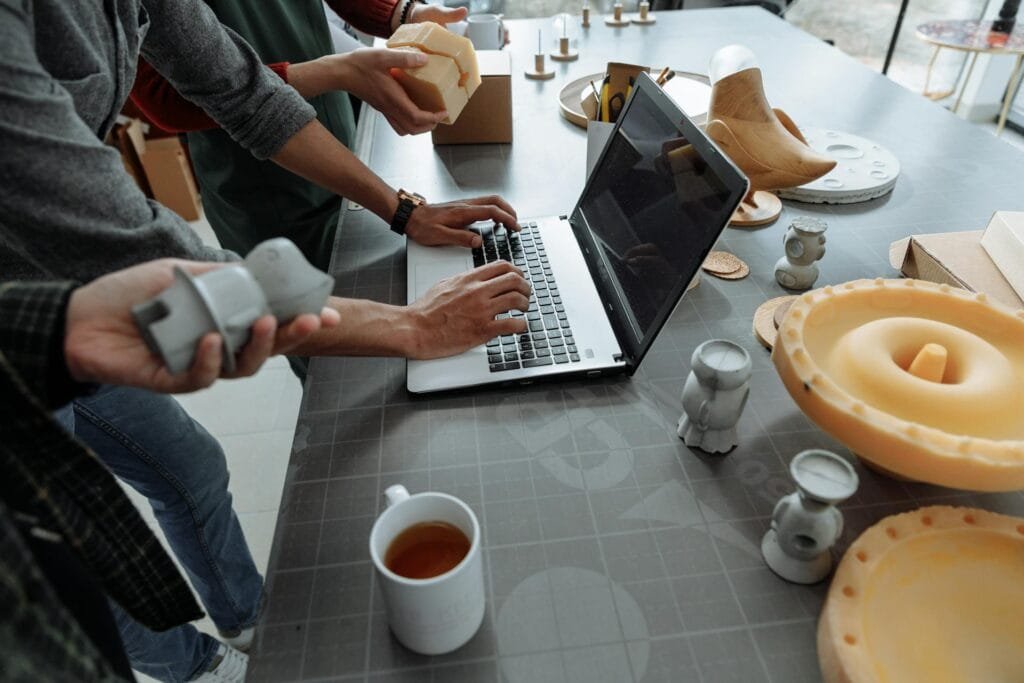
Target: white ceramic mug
(486, 31)
(440, 614)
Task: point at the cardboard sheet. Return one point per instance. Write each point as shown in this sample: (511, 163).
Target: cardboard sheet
(954, 258)
(170, 176)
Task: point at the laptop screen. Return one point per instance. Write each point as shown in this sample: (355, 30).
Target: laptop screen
(655, 204)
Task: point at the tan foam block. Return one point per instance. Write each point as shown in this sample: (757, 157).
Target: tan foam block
(434, 39)
(411, 34)
(435, 87)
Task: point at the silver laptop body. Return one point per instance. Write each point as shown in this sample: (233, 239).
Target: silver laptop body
(608, 276)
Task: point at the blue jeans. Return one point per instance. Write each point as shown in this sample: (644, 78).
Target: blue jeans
(151, 443)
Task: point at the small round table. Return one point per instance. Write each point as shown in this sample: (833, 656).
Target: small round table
(975, 37)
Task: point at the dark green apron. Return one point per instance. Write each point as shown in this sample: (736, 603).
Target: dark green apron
(247, 201)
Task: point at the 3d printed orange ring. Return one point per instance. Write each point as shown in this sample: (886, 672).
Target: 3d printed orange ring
(922, 380)
(929, 595)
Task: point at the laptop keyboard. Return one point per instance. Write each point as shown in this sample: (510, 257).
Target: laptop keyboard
(549, 339)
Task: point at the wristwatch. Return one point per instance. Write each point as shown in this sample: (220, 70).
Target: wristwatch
(407, 202)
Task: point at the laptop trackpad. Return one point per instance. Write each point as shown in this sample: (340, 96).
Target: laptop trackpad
(428, 275)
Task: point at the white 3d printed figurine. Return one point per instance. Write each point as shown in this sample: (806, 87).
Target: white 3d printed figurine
(806, 523)
(274, 278)
(714, 395)
(805, 244)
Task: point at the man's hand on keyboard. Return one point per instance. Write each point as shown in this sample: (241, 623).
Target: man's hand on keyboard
(436, 225)
(459, 312)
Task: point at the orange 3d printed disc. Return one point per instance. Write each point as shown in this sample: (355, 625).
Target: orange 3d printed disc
(931, 595)
(921, 380)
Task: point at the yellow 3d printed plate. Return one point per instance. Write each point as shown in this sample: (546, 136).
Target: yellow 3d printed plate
(921, 380)
(934, 595)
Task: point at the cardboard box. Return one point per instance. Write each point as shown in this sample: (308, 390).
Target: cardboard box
(487, 117)
(170, 177)
(128, 137)
(1003, 241)
(956, 259)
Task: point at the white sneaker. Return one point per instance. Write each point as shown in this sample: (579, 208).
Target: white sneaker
(228, 667)
(241, 640)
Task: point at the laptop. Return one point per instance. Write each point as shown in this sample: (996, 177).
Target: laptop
(607, 276)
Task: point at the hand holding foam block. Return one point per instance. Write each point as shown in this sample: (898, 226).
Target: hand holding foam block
(451, 74)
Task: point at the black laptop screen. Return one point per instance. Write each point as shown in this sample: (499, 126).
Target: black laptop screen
(654, 207)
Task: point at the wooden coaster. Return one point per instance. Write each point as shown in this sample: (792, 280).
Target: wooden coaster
(722, 263)
(781, 311)
(735, 275)
(765, 209)
(765, 327)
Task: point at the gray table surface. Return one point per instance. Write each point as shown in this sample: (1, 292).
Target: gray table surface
(613, 552)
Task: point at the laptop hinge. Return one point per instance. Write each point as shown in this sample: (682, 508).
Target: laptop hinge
(563, 217)
(617, 357)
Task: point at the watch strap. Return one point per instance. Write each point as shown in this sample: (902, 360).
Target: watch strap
(407, 203)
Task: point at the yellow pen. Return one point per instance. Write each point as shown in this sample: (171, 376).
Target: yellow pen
(605, 114)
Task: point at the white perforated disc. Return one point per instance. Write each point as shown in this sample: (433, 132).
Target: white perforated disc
(864, 171)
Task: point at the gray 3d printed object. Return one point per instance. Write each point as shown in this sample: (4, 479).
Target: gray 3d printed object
(274, 278)
(805, 244)
(714, 396)
(806, 523)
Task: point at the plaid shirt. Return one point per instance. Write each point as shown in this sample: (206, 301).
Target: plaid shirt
(46, 473)
(39, 639)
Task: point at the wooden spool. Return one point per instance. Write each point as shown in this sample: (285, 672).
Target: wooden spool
(539, 73)
(644, 18)
(616, 19)
(565, 53)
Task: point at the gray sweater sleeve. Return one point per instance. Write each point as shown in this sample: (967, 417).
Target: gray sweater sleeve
(216, 69)
(68, 209)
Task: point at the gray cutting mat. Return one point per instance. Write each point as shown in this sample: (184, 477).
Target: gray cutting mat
(613, 553)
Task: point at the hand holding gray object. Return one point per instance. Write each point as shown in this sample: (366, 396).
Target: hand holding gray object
(102, 342)
(274, 279)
